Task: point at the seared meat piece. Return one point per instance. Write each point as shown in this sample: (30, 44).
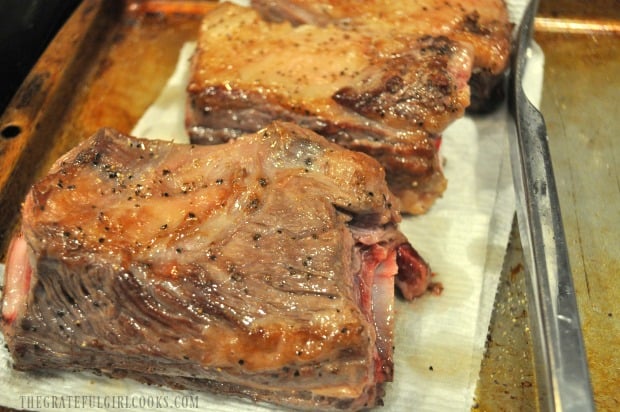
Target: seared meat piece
(264, 267)
(388, 97)
(482, 24)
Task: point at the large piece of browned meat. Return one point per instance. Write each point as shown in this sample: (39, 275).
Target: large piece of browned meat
(263, 267)
(387, 95)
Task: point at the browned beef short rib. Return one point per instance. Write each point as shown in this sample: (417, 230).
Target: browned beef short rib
(388, 96)
(263, 267)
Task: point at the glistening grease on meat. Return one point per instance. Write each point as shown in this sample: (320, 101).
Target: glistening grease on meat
(388, 96)
(263, 267)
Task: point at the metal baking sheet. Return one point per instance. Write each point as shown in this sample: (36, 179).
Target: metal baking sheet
(89, 77)
(582, 57)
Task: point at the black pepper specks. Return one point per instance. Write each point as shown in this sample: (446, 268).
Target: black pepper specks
(97, 159)
(254, 203)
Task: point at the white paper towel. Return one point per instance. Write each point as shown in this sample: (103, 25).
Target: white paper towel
(439, 339)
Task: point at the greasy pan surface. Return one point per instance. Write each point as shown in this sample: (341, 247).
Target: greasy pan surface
(581, 42)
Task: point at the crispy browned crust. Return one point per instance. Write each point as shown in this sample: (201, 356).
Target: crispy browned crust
(482, 24)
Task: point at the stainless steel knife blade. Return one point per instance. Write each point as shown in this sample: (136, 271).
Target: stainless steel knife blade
(561, 366)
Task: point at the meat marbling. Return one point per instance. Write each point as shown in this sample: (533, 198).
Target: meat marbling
(263, 268)
(388, 96)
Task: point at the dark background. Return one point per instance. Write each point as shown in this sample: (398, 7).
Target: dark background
(26, 28)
